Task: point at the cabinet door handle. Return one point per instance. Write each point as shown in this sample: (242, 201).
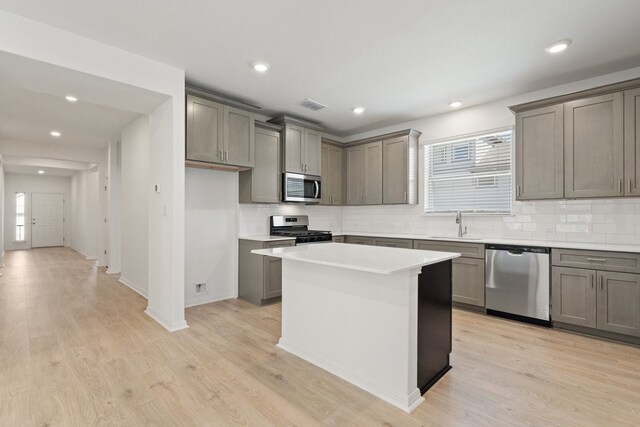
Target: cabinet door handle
(405, 196)
(220, 155)
(629, 185)
(620, 185)
(226, 156)
(592, 276)
(597, 259)
(517, 191)
(601, 282)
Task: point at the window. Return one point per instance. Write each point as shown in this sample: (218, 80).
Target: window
(471, 174)
(20, 217)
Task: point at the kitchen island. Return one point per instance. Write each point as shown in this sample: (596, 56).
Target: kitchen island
(377, 317)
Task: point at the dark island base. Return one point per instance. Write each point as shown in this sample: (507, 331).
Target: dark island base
(434, 323)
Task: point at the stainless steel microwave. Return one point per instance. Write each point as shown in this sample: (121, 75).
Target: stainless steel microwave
(301, 188)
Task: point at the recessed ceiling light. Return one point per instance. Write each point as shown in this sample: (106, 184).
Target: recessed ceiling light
(40, 172)
(71, 98)
(55, 133)
(358, 110)
(558, 46)
(260, 67)
(455, 104)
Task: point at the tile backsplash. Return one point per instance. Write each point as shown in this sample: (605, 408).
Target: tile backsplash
(614, 221)
(597, 221)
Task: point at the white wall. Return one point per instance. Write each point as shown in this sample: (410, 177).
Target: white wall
(211, 240)
(30, 184)
(134, 206)
(86, 215)
(599, 220)
(2, 215)
(24, 37)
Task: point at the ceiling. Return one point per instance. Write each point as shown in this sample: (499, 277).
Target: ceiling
(33, 104)
(401, 60)
(50, 167)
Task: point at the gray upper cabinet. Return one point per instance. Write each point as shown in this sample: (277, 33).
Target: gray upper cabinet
(239, 137)
(398, 183)
(220, 134)
(355, 175)
(364, 174)
(331, 174)
(619, 303)
(293, 149)
(312, 157)
(262, 184)
(373, 173)
(302, 150)
(540, 154)
(632, 142)
(205, 132)
(594, 146)
(573, 295)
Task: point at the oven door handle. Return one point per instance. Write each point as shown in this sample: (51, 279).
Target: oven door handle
(317, 184)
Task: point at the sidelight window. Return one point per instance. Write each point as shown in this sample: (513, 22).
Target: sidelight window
(20, 198)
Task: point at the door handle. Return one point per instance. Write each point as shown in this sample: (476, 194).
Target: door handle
(317, 188)
(620, 185)
(629, 185)
(597, 259)
(514, 253)
(33, 221)
(221, 155)
(517, 190)
(601, 282)
(592, 281)
(405, 196)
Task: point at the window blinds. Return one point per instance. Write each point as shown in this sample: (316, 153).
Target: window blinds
(471, 174)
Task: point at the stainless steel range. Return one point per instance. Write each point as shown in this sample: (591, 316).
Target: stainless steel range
(297, 226)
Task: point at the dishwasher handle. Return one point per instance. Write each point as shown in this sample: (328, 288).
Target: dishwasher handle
(518, 250)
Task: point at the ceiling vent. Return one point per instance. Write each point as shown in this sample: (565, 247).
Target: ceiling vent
(311, 104)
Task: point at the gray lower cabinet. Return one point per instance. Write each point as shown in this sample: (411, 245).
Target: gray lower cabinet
(467, 271)
(632, 142)
(602, 297)
(619, 303)
(467, 278)
(359, 240)
(259, 277)
(573, 296)
(594, 146)
(338, 239)
(393, 243)
(540, 154)
(262, 184)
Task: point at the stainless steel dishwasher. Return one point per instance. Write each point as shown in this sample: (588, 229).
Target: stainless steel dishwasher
(517, 282)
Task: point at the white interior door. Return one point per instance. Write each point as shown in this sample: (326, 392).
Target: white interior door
(47, 220)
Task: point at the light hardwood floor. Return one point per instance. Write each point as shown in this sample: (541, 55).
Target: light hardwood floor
(76, 349)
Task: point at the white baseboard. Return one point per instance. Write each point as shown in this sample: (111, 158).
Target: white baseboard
(136, 288)
(112, 272)
(208, 300)
(176, 326)
(87, 257)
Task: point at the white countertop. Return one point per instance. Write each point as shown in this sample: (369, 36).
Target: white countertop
(266, 238)
(499, 241)
(372, 259)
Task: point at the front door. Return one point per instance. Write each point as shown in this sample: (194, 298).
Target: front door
(47, 220)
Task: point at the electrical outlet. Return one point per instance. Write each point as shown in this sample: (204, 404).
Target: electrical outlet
(201, 288)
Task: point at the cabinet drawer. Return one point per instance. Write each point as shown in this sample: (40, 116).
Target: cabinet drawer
(338, 239)
(357, 240)
(279, 244)
(599, 260)
(469, 250)
(393, 243)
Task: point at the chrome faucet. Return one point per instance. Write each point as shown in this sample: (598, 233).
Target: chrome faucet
(459, 222)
